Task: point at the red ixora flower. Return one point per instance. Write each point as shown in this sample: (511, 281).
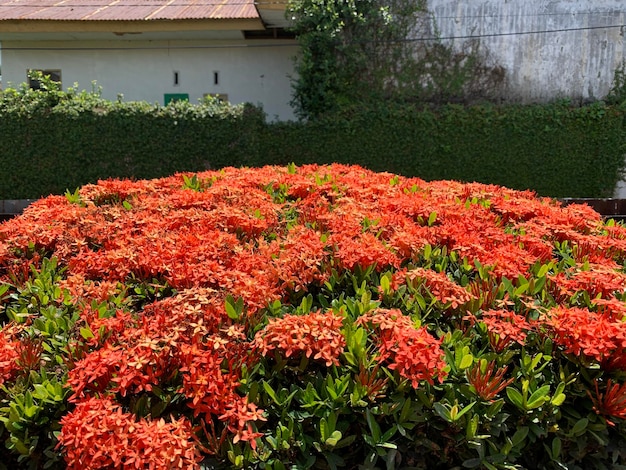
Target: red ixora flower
(413, 352)
(440, 286)
(486, 381)
(98, 434)
(9, 356)
(504, 328)
(612, 402)
(597, 336)
(316, 334)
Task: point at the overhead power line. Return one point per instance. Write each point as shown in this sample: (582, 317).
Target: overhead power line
(523, 33)
(572, 14)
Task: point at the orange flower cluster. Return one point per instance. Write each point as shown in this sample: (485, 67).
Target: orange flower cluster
(413, 352)
(601, 281)
(8, 358)
(488, 383)
(580, 331)
(612, 402)
(316, 334)
(441, 287)
(98, 434)
(189, 334)
(505, 327)
(236, 229)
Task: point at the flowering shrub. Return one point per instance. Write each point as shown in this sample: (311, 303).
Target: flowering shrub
(311, 317)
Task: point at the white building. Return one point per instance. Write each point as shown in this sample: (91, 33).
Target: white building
(154, 50)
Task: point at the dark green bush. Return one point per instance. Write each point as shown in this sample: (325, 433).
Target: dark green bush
(557, 150)
(53, 140)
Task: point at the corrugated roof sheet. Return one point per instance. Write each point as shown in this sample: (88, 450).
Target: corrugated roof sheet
(126, 10)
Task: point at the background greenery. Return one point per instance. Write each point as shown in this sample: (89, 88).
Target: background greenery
(53, 140)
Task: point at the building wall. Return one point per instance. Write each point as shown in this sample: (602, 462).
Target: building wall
(252, 71)
(548, 48)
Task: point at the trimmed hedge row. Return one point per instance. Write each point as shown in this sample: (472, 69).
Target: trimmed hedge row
(52, 141)
(556, 150)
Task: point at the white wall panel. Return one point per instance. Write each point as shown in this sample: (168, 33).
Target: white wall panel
(250, 71)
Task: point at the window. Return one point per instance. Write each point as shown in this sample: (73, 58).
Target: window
(216, 78)
(176, 78)
(55, 76)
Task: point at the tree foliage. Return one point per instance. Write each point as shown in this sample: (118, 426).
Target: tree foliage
(372, 50)
(351, 49)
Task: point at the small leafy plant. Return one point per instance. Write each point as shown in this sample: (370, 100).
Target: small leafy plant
(617, 93)
(311, 317)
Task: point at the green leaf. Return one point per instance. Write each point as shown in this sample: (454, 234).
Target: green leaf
(420, 301)
(86, 333)
(19, 445)
(41, 392)
(270, 391)
(557, 400)
(520, 290)
(464, 410)
(579, 427)
(406, 410)
(324, 431)
(442, 411)
(384, 284)
(373, 425)
(31, 411)
(472, 463)
(427, 252)
(432, 218)
(345, 442)
(231, 308)
(467, 361)
(495, 408)
(519, 436)
(556, 448)
(472, 427)
(538, 397)
(516, 397)
(543, 270)
(334, 439)
(559, 397)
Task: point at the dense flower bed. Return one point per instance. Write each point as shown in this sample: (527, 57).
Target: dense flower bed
(311, 317)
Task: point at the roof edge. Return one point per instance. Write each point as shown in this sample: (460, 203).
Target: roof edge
(126, 26)
(271, 4)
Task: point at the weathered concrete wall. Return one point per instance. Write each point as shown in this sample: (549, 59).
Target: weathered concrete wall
(549, 49)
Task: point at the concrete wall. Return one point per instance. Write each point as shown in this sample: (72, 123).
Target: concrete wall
(251, 71)
(542, 63)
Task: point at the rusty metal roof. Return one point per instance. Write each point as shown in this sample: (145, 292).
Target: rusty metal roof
(126, 10)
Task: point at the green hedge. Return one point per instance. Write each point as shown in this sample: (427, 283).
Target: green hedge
(52, 141)
(556, 149)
